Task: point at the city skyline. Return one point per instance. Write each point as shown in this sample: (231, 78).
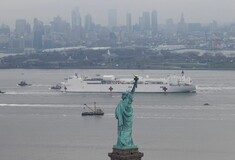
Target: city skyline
(194, 11)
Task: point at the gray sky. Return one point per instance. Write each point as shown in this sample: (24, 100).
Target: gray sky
(203, 11)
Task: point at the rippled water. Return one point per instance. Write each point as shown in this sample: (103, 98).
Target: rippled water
(39, 123)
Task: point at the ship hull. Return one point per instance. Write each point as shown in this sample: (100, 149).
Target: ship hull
(92, 114)
(81, 87)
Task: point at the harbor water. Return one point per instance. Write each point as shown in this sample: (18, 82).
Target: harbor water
(37, 123)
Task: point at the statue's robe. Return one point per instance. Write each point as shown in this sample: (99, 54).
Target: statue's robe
(124, 115)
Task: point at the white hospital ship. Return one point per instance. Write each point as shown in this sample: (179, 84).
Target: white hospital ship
(112, 84)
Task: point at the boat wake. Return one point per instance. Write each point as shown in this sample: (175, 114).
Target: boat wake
(212, 117)
(39, 105)
(32, 93)
(40, 85)
(215, 88)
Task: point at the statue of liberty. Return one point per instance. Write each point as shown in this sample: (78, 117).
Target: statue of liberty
(124, 115)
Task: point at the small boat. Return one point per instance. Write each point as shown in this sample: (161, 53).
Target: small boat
(56, 87)
(23, 83)
(93, 112)
(2, 92)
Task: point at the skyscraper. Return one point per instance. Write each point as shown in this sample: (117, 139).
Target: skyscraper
(88, 22)
(60, 26)
(112, 18)
(128, 22)
(154, 22)
(4, 30)
(170, 26)
(76, 18)
(38, 31)
(213, 26)
(182, 26)
(21, 26)
(144, 22)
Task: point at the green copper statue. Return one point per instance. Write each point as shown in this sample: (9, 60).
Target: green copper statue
(124, 115)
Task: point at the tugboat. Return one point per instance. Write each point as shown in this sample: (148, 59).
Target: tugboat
(56, 87)
(93, 112)
(23, 83)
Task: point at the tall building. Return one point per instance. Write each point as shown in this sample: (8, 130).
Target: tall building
(38, 31)
(4, 30)
(213, 26)
(112, 18)
(128, 22)
(141, 23)
(170, 26)
(182, 26)
(21, 26)
(60, 26)
(154, 22)
(88, 22)
(193, 27)
(76, 19)
(4, 37)
(144, 21)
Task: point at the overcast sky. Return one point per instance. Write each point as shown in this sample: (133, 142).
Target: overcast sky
(203, 11)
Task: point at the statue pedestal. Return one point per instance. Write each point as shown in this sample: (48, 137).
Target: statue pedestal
(126, 154)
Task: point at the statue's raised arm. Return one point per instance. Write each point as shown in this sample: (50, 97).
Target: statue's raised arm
(135, 85)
